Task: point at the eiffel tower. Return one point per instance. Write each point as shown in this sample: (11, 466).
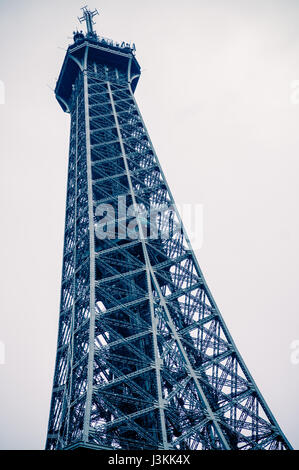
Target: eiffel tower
(144, 358)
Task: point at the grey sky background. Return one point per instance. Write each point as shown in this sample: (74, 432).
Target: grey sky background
(215, 94)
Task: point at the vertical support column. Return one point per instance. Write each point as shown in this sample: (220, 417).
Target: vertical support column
(91, 257)
(161, 403)
(74, 274)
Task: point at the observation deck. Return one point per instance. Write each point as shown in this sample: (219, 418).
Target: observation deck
(93, 49)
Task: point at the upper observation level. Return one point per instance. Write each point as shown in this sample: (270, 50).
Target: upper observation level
(90, 49)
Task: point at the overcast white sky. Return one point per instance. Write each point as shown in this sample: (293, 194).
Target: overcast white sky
(215, 94)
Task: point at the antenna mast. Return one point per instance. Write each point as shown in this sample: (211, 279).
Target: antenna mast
(88, 16)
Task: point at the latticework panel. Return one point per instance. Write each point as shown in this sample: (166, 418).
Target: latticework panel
(70, 378)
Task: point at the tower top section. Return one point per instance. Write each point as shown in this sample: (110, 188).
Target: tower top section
(91, 51)
(91, 34)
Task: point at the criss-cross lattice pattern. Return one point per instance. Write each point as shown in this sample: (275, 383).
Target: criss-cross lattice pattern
(144, 358)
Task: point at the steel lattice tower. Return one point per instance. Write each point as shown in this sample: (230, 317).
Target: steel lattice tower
(144, 359)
